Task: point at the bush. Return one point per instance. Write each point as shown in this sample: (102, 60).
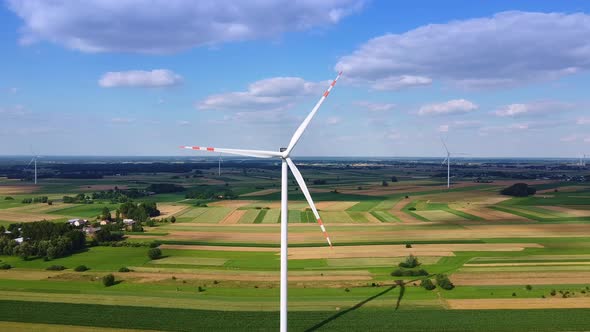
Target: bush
(5, 266)
(412, 209)
(443, 281)
(553, 292)
(518, 190)
(408, 245)
(528, 287)
(201, 289)
(81, 268)
(409, 273)
(155, 244)
(427, 284)
(56, 268)
(410, 262)
(154, 253)
(108, 280)
(8, 198)
(124, 269)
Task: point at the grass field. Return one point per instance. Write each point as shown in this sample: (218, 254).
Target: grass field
(220, 264)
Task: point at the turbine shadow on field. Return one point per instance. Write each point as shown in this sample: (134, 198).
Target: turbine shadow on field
(344, 312)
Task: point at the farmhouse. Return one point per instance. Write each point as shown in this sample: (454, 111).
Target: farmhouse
(77, 222)
(91, 230)
(104, 222)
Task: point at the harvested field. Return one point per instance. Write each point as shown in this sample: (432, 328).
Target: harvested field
(26, 217)
(481, 304)
(334, 206)
(249, 216)
(233, 217)
(336, 217)
(575, 212)
(15, 190)
(218, 248)
(168, 210)
(155, 274)
(435, 250)
(404, 217)
(520, 278)
(234, 204)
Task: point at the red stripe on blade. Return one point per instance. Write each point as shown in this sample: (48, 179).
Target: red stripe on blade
(210, 149)
(326, 93)
(320, 222)
(195, 148)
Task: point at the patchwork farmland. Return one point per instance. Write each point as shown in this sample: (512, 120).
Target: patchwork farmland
(521, 257)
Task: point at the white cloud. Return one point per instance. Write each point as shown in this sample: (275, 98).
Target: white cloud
(536, 108)
(12, 91)
(443, 128)
(375, 107)
(164, 26)
(506, 49)
(583, 121)
(277, 93)
(454, 106)
(183, 123)
(140, 78)
(16, 111)
(399, 82)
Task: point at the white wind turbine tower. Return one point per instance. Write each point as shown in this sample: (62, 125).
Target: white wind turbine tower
(286, 162)
(34, 160)
(219, 166)
(448, 162)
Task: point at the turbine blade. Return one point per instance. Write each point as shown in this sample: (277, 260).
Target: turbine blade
(248, 153)
(30, 162)
(444, 144)
(305, 191)
(310, 116)
(445, 161)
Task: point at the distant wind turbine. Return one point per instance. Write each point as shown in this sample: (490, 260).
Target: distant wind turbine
(219, 165)
(448, 161)
(284, 155)
(33, 160)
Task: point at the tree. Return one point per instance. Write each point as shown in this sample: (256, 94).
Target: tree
(410, 262)
(106, 213)
(154, 253)
(427, 284)
(108, 280)
(394, 179)
(384, 183)
(518, 190)
(443, 281)
(173, 219)
(81, 268)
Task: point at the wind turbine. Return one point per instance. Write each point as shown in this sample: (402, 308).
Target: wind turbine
(219, 165)
(286, 162)
(448, 161)
(34, 160)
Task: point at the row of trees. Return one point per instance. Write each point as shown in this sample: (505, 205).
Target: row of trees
(41, 239)
(211, 193)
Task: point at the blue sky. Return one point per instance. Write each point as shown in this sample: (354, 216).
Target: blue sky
(500, 78)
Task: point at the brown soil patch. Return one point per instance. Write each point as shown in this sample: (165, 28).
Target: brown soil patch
(371, 218)
(527, 264)
(570, 211)
(167, 210)
(479, 304)
(233, 217)
(15, 190)
(404, 217)
(520, 278)
(26, 217)
(261, 192)
(162, 274)
(231, 203)
(436, 250)
(219, 248)
(334, 205)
